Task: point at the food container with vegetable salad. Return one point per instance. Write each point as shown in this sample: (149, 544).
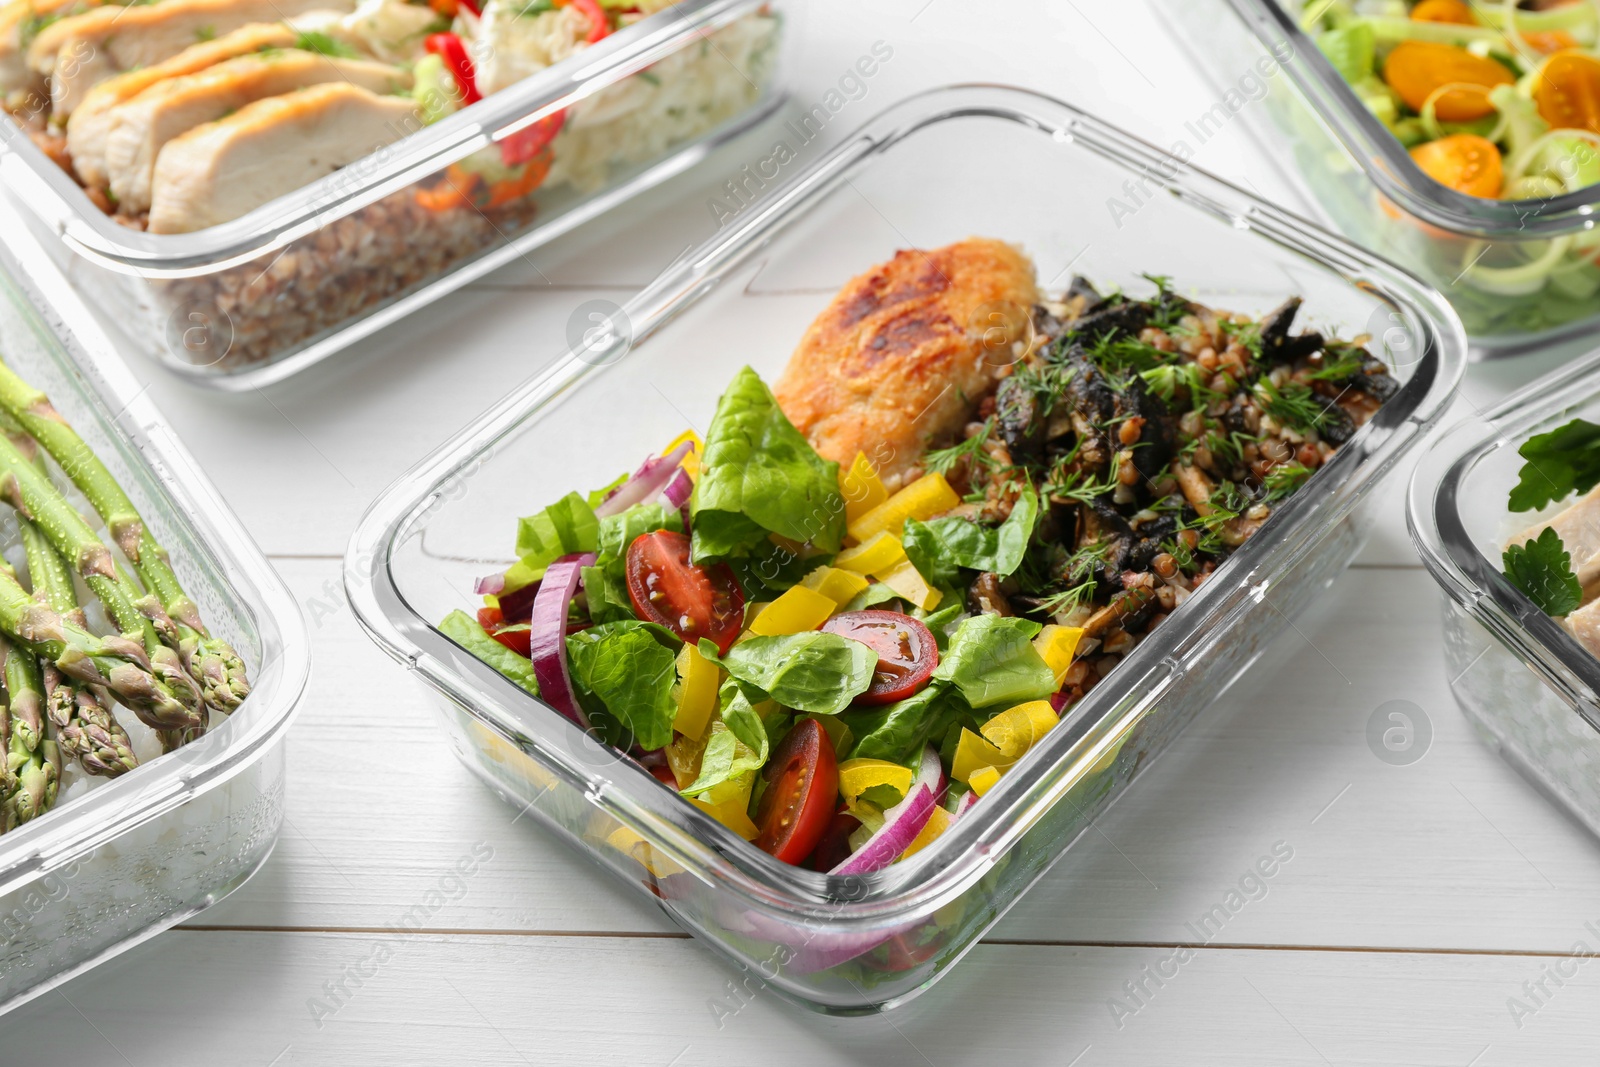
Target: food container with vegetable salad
(1460, 140)
(926, 511)
(148, 682)
(1502, 509)
(245, 188)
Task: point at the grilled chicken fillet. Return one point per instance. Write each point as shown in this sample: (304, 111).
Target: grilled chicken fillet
(901, 357)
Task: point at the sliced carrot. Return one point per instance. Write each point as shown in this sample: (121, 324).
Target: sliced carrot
(504, 192)
(1444, 11)
(1567, 91)
(1419, 69)
(1465, 162)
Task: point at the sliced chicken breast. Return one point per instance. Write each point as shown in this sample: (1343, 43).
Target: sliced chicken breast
(79, 52)
(142, 126)
(1579, 529)
(20, 20)
(91, 121)
(1584, 624)
(906, 351)
(227, 168)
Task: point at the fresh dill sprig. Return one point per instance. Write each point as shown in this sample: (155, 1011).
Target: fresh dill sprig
(1284, 479)
(941, 460)
(1247, 334)
(1293, 404)
(1347, 363)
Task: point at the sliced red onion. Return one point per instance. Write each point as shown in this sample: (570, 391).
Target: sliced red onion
(964, 805)
(490, 584)
(1058, 700)
(651, 478)
(547, 645)
(901, 823)
(517, 606)
(676, 494)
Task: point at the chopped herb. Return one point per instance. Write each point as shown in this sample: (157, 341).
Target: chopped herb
(324, 45)
(1564, 461)
(1542, 569)
(1285, 479)
(941, 460)
(646, 76)
(537, 7)
(1293, 404)
(1166, 380)
(1345, 364)
(205, 33)
(1247, 334)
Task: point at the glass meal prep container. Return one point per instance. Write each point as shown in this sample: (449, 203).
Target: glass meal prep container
(252, 301)
(922, 174)
(1522, 274)
(112, 865)
(1530, 689)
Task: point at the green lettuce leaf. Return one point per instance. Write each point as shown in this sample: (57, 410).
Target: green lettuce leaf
(992, 660)
(628, 667)
(464, 630)
(759, 476)
(813, 671)
(941, 547)
(566, 526)
(898, 732)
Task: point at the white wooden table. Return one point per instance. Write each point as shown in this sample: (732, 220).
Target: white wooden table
(1418, 901)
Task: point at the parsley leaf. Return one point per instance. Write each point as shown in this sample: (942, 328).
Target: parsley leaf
(1543, 570)
(1563, 461)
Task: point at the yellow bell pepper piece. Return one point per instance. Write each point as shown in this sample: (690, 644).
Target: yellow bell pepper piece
(983, 779)
(937, 824)
(1018, 729)
(734, 791)
(691, 461)
(839, 586)
(908, 582)
(732, 815)
(974, 752)
(796, 611)
(1057, 645)
(880, 552)
(924, 498)
(856, 776)
(631, 844)
(861, 487)
(698, 679)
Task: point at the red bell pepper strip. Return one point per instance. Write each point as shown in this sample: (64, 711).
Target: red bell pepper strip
(525, 144)
(472, 6)
(599, 25)
(450, 48)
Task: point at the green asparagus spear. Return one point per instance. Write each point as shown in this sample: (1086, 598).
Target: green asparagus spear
(138, 616)
(211, 660)
(32, 755)
(87, 730)
(118, 663)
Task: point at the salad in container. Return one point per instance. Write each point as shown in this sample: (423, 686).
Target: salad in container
(258, 176)
(1462, 139)
(905, 548)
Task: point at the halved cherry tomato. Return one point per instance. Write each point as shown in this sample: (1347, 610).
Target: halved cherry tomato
(691, 601)
(490, 618)
(1567, 91)
(1444, 11)
(907, 653)
(802, 788)
(1416, 70)
(662, 773)
(1465, 162)
(834, 848)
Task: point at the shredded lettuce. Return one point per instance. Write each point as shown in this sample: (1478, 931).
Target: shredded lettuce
(464, 630)
(737, 743)
(623, 673)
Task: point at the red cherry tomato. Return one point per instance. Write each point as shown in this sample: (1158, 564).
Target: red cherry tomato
(802, 788)
(663, 774)
(907, 653)
(693, 602)
(834, 848)
(491, 619)
(518, 638)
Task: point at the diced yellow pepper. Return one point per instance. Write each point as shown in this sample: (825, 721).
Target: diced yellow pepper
(1057, 645)
(1018, 729)
(838, 733)
(937, 824)
(856, 776)
(732, 815)
(840, 586)
(631, 844)
(861, 487)
(983, 779)
(924, 498)
(691, 460)
(878, 553)
(698, 679)
(734, 791)
(908, 582)
(972, 753)
(799, 609)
